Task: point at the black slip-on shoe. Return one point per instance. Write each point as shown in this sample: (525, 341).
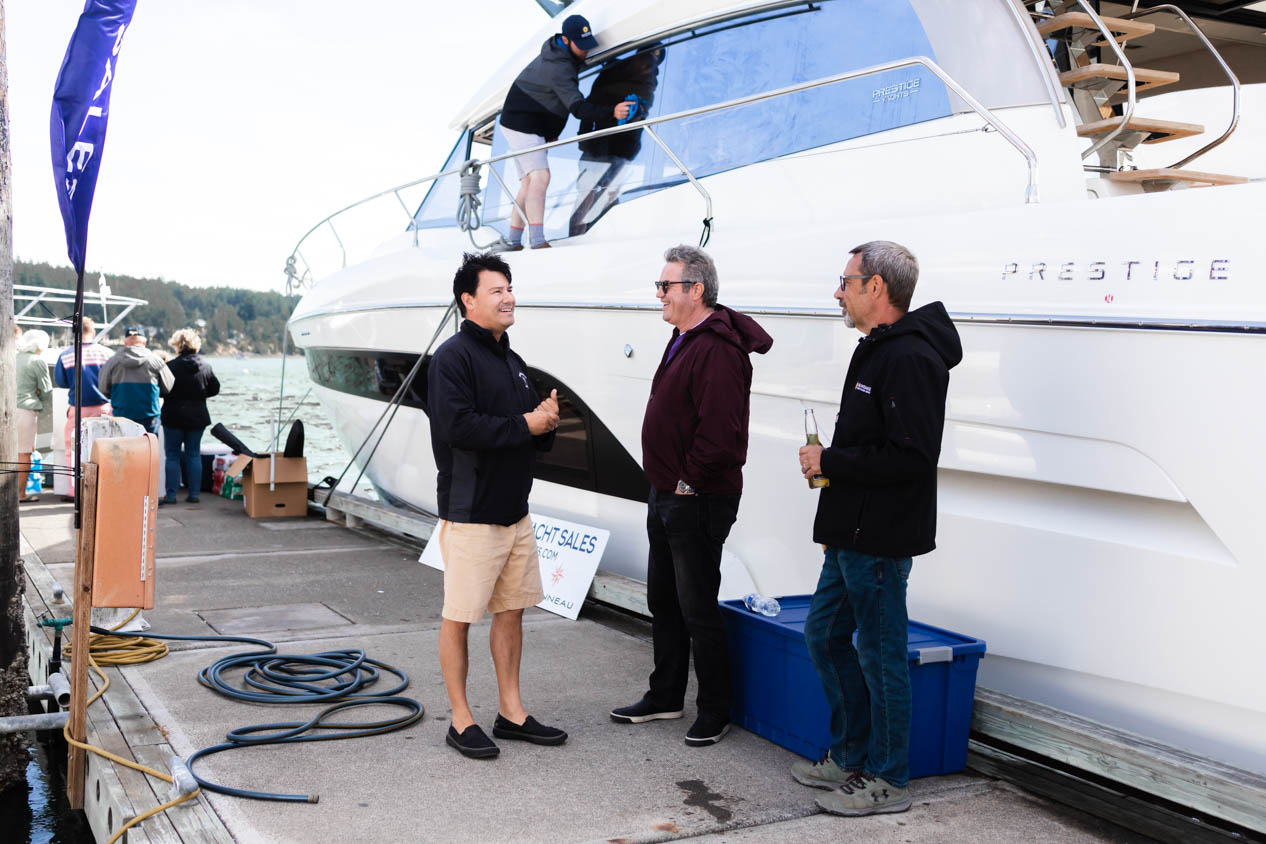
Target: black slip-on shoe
(643, 711)
(530, 730)
(707, 729)
(471, 742)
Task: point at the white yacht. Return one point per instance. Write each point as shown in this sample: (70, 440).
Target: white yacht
(1082, 185)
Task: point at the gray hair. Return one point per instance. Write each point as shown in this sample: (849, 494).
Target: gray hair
(33, 341)
(696, 267)
(185, 340)
(895, 264)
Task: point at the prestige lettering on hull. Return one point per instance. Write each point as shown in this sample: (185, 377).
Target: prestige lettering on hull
(1185, 269)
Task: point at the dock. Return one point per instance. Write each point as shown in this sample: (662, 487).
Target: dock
(312, 585)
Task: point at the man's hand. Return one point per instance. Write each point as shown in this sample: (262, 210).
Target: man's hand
(550, 404)
(810, 460)
(545, 418)
(622, 110)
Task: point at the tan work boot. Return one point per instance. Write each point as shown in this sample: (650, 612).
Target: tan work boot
(822, 774)
(863, 795)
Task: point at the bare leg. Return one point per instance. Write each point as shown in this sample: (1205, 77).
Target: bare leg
(454, 664)
(515, 219)
(25, 460)
(506, 642)
(532, 195)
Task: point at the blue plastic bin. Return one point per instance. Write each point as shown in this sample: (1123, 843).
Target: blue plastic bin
(777, 693)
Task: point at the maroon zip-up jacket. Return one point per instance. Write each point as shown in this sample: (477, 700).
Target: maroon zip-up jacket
(695, 429)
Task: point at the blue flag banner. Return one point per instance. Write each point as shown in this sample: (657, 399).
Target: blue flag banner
(81, 107)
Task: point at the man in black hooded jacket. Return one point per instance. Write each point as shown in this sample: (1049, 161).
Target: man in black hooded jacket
(535, 111)
(878, 512)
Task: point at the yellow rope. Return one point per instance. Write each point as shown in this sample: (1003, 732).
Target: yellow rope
(123, 656)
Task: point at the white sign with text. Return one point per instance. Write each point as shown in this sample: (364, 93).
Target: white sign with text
(568, 553)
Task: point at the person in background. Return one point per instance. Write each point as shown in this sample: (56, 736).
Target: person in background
(93, 401)
(535, 111)
(134, 379)
(694, 445)
(185, 415)
(35, 390)
(487, 424)
(878, 513)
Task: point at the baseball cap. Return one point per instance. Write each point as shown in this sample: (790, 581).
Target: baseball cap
(576, 28)
(132, 331)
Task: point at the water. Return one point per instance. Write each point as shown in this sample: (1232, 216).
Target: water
(40, 813)
(247, 405)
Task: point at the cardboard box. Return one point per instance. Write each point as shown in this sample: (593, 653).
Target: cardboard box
(777, 693)
(273, 486)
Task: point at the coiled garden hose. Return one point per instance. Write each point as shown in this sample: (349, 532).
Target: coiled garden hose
(270, 677)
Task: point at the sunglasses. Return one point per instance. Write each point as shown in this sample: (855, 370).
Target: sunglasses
(662, 286)
(844, 279)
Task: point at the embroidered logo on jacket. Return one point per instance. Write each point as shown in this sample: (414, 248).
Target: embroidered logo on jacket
(860, 386)
(526, 385)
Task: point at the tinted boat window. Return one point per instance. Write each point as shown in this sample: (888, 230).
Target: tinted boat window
(439, 207)
(732, 59)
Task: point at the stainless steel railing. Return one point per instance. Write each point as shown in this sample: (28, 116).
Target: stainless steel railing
(1130, 86)
(1208, 45)
(1031, 193)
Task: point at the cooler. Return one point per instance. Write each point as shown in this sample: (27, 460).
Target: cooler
(777, 693)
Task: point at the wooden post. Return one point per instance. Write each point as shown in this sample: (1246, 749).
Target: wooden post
(80, 688)
(13, 654)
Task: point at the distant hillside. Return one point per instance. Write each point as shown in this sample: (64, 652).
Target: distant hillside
(236, 320)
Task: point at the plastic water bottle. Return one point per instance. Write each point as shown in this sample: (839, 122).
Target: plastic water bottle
(760, 604)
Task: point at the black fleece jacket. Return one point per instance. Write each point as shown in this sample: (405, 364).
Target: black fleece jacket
(695, 428)
(546, 91)
(882, 458)
(477, 393)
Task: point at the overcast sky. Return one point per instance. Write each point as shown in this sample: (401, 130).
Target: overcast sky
(237, 124)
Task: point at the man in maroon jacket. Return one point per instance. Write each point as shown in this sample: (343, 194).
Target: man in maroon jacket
(694, 445)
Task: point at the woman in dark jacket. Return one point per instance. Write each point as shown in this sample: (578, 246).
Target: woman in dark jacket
(185, 414)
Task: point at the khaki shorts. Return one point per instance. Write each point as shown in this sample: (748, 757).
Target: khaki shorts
(530, 161)
(27, 420)
(489, 567)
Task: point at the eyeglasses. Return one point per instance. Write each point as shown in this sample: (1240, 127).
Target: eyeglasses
(844, 279)
(662, 286)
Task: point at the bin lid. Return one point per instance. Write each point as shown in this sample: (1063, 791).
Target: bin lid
(926, 643)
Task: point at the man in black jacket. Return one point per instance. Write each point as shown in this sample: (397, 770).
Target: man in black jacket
(535, 111)
(877, 513)
(487, 423)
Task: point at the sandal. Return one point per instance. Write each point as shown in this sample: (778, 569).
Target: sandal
(29, 500)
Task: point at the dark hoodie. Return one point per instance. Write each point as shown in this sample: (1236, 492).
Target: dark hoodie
(882, 458)
(546, 91)
(695, 428)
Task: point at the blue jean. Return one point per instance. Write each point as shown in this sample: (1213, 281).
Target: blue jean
(867, 687)
(184, 449)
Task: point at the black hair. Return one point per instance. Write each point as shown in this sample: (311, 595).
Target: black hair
(467, 278)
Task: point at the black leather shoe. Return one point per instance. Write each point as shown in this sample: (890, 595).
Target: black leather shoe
(530, 730)
(707, 729)
(643, 711)
(472, 742)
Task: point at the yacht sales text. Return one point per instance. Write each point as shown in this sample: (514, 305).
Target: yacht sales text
(585, 543)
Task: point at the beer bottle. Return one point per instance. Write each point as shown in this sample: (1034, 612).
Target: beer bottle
(811, 438)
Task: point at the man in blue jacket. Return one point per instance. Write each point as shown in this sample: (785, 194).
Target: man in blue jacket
(878, 512)
(134, 379)
(93, 402)
(487, 423)
(535, 111)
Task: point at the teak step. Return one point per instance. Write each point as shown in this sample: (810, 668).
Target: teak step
(1094, 75)
(1121, 29)
(1157, 130)
(1169, 174)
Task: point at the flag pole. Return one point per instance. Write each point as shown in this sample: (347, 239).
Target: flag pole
(77, 328)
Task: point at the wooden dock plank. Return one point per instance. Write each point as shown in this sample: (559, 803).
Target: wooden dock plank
(1216, 789)
(195, 821)
(131, 716)
(142, 791)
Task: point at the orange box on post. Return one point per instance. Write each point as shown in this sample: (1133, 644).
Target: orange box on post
(273, 486)
(126, 521)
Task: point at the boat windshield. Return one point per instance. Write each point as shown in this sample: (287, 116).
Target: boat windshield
(554, 7)
(761, 52)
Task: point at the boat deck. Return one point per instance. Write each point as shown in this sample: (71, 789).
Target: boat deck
(311, 585)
